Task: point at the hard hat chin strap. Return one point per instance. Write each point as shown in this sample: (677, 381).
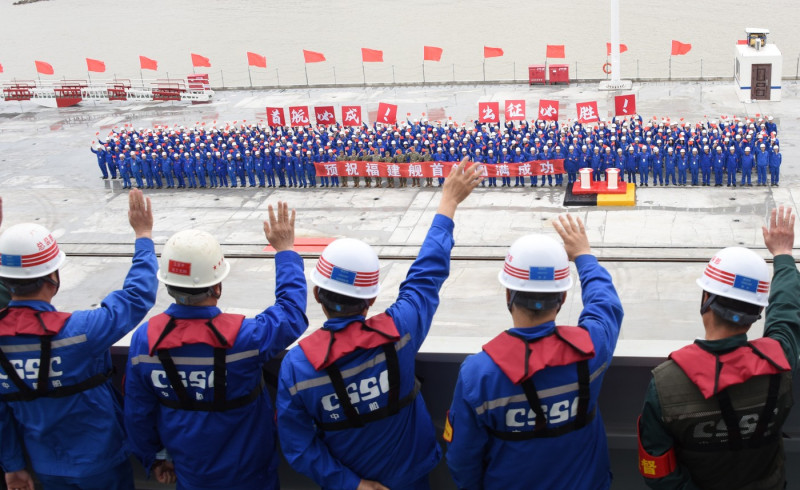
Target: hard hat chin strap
(736, 317)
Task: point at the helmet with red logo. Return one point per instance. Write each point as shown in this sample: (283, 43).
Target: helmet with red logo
(29, 251)
(536, 263)
(737, 273)
(192, 259)
(348, 267)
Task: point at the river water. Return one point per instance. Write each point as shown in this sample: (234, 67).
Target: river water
(64, 32)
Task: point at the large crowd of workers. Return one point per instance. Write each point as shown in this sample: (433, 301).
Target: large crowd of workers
(349, 413)
(659, 152)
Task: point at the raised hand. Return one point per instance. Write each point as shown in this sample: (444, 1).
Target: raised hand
(140, 214)
(572, 232)
(779, 237)
(280, 231)
(463, 178)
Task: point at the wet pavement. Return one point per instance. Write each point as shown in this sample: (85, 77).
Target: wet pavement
(654, 250)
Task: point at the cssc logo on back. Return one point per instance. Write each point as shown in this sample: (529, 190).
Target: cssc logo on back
(361, 391)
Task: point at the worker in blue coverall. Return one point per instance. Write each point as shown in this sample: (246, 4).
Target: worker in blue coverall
(166, 169)
(571, 165)
(644, 167)
(300, 168)
(747, 167)
(682, 165)
(100, 153)
(705, 165)
(762, 163)
(670, 162)
(147, 167)
(694, 166)
(219, 430)
(177, 169)
(657, 163)
(524, 411)
(718, 164)
(136, 168)
(775, 160)
(349, 410)
(200, 168)
(188, 170)
(311, 171)
(211, 169)
(258, 158)
(230, 167)
(731, 165)
(250, 168)
(631, 164)
(67, 420)
(714, 412)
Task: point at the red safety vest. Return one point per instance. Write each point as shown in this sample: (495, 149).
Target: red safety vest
(324, 347)
(712, 373)
(165, 332)
(44, 325)
(520, 358)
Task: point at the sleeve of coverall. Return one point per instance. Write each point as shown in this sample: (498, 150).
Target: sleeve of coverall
(601, 302)
(141, 407)
(419, 292)
(656, 440)
(468, 440)
(301, 445)
(11, 455)
(123, 309)
(282, 323)
(783, 313)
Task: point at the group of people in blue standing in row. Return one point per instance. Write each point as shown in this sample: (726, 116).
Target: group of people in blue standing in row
(669, 153)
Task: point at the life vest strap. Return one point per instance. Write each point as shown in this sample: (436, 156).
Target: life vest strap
(375, 415)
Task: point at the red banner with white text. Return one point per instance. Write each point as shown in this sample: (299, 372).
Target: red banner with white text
(435, 169)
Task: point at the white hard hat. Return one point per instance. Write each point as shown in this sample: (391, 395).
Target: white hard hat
(28, 251)
(349, 267)
(737, 273)
(192, 259)
(536, 263)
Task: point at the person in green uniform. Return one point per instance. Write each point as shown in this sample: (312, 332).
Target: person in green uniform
(713, 413)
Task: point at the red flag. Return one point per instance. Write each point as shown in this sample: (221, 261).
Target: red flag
(622, 48)
(147, 64)
(515, 110)
(313, 56)
(198, 60)
(625, 105)
(741, 41)
(95, 65)
(298, 116)
(1, 68)
(351, 115)
(325, 115)
(371, 55)
(254, 59)
(548, 110)
(587, 112)
(555, 51)
(492, 52)
(680, 48)
(275, 116)
(488, 112)
(431, 53)
(44, 68)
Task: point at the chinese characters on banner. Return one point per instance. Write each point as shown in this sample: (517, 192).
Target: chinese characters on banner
(515, 110)
(387, 113)
(548, 110)
(351, 115)
(435, 169)
(625, 105)
(587, 112)
(275, 116)
(298, 116)
(325, 115)
(489, 112)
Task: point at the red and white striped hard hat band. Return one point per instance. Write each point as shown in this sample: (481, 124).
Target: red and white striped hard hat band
(357, 279)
